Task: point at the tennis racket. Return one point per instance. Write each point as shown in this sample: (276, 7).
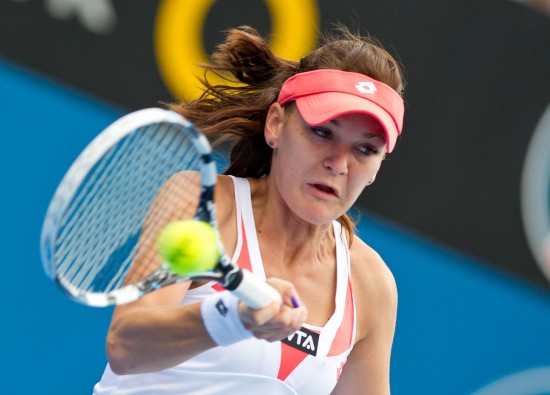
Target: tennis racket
(145, 170)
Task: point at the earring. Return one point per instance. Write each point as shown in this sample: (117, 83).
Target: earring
(270, 143)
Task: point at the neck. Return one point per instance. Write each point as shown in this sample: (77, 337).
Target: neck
(284, 237)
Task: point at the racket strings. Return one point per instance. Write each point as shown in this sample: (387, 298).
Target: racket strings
(108, 182)
(89, 207)
(104, 221)
(177, 200)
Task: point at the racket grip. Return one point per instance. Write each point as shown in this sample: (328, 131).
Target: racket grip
(254, 292)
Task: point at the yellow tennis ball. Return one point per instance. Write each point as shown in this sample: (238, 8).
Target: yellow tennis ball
(188, 246)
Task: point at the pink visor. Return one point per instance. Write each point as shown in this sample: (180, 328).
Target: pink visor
(325, 94)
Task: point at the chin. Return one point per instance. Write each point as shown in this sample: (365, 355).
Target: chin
(318, 220)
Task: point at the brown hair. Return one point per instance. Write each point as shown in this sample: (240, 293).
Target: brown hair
(236, 111)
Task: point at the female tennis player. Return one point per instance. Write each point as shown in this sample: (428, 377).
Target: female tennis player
(308, 137)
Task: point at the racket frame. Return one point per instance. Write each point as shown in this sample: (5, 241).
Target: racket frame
(78, 172)
(252, 291)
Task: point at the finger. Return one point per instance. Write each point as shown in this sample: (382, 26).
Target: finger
(287, 290)
(288, 321)
(252, 318)
(293, 317)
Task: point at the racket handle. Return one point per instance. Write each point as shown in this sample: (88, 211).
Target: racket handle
(254, 292)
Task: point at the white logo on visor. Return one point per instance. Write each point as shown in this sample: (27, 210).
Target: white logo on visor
(366, 87)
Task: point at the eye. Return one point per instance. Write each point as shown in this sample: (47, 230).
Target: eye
(321, 132)
(367, 149)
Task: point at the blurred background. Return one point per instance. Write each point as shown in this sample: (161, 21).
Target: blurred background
(460, 211)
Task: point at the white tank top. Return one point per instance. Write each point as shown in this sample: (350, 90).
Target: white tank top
(309, 362)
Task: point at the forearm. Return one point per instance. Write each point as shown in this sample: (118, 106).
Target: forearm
(158, 333)
(149, 338)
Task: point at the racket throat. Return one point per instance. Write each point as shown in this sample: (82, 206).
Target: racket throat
(205, 210)
(232, 278)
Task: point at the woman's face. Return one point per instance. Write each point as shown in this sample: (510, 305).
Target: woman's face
(320, 171)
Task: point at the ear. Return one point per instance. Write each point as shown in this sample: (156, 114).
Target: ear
(372, 179)
(273, 124)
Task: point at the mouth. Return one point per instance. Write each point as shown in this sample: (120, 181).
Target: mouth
(325, 189)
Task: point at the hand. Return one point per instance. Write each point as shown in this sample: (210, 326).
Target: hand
(278, 320)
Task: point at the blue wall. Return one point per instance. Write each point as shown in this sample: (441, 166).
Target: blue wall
(49, 344)
(460, 326)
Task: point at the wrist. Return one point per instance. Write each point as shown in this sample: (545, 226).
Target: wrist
(220, 315)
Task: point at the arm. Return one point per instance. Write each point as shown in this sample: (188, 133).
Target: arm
(367, 370)
(156, 332)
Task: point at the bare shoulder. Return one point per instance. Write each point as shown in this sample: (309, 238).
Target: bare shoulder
(224, 198)
(224, 186)
(374, 287)
(370, 269)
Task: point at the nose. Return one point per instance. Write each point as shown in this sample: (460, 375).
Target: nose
(337, 161)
